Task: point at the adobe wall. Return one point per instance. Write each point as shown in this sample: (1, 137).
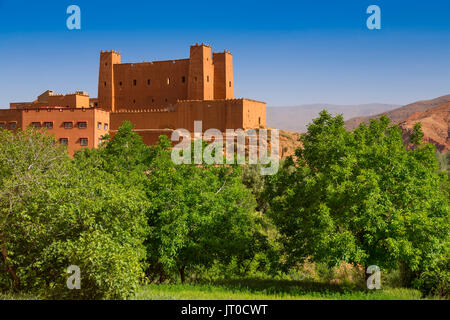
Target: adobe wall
(201, 73)
(254, 114)
(160, 84)
(72, 100)
(223, 75)
(106, 88)
(68, 100)
(146, 119)
(150, 84)
(60, 115)
(217, 114)
(11, 115)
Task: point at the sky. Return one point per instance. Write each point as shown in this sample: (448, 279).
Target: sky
(285, 53)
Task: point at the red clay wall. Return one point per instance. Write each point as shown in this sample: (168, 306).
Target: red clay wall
(223, 75)
(9, 116)
(254, 114)
(217, 114)
(150, 84)
(106, 92)
(58, 116)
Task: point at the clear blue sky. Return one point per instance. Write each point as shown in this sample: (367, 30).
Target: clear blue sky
(285, 52)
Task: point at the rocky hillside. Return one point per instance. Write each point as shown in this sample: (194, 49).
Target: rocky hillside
(435, 125)
(297, 118)
(400, 114)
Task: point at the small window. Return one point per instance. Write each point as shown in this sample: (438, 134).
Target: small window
(99, 141)
(207, 78)
(168, 81)
(153, 100)
(68, 125)
(13, 125)
(104, 83)
(84, 141)
(165, 99)
(82, 125)
(195, 79)
(134, 82)
(183, 79)
(229, 84)
(148, 82)
(99, 125)
(120, 83)
(106, 126)
(48, 125)
(134, 101)
(36, 125)
(2, 125)
(64, 141)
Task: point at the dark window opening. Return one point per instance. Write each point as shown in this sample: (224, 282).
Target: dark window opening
(48, 125)
(68, 125)
(104, 83)
(82, 125)
(148, 81)
(84, 141)
(64, 141)
(120, 83)
(207, 78)
(134, 82)
(36, 125)
(183, 79)
(229, 84)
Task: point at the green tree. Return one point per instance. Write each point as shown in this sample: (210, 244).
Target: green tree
(361, 197)
(198, 214)
(52, 207)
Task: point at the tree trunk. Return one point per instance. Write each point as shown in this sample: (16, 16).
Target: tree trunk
(182, 274)
(162, 277)
(9, 269)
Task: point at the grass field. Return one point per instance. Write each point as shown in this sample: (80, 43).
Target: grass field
(269, 290)
(256, 290)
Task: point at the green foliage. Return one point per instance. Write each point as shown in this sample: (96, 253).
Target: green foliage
(52, 208)
(109, 270)
(361, 197)
(444, 160)
(436, 280)
(198, 215)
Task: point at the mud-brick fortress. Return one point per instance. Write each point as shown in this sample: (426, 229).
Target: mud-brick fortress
(157, 97)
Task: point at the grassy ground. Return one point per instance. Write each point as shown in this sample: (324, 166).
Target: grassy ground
(256, 290)
(269, 290)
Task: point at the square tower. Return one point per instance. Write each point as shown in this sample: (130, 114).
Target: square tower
(201, 73)
(223, 75)
(106, 99)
